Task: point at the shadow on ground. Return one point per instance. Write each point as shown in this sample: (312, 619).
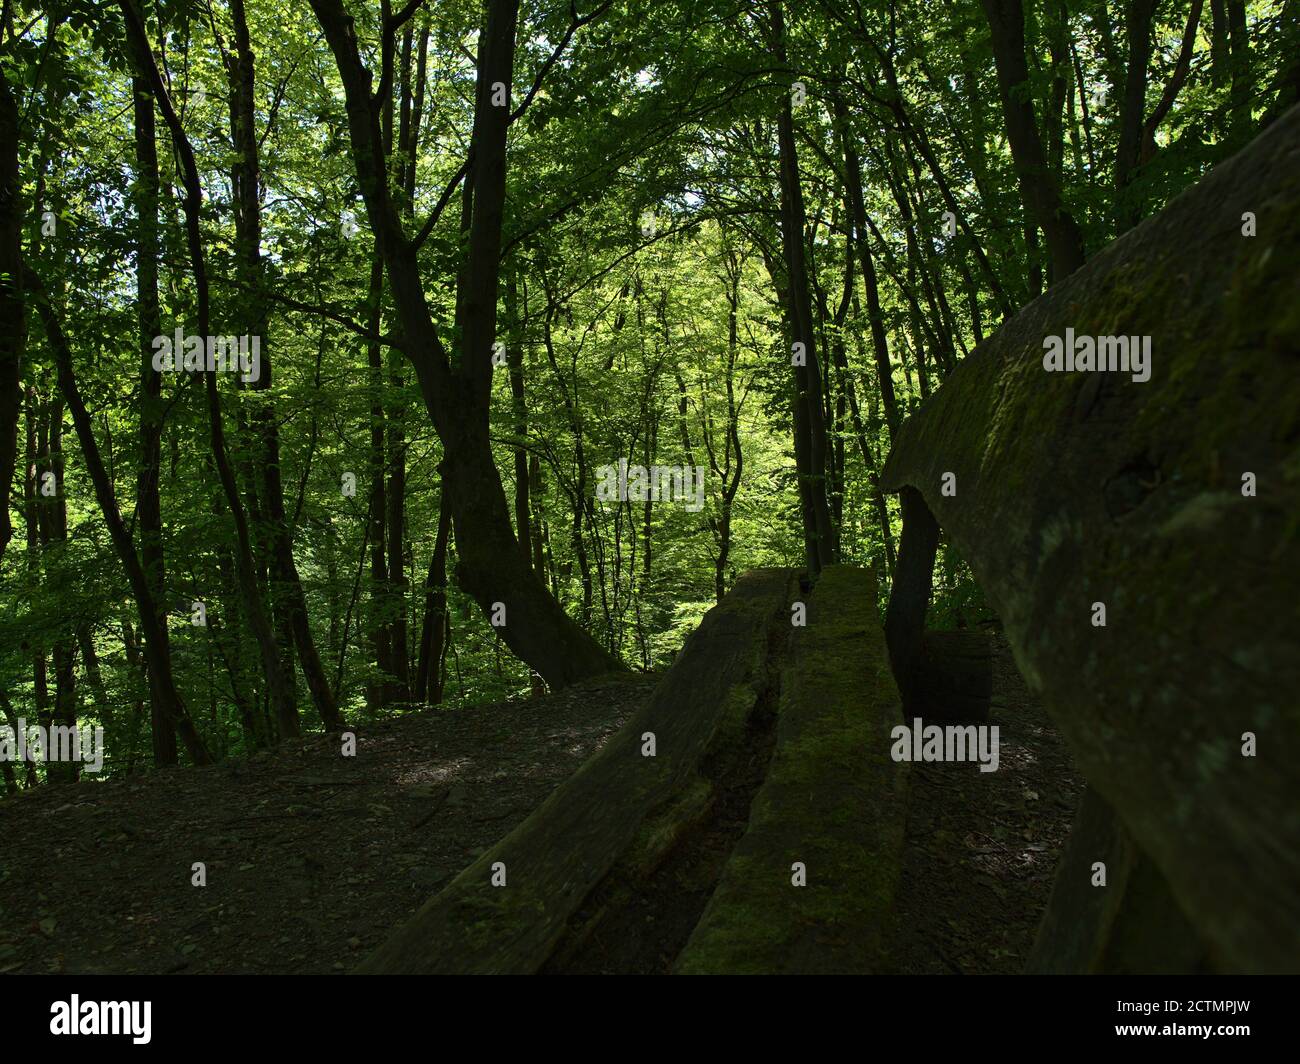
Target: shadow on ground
(312, 858)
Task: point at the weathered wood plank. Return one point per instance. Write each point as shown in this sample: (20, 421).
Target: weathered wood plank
(620, 805)
(1079, 488)
(833, 799)
(1130, 924)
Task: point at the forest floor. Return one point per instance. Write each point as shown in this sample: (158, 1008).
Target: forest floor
(982, 848)
(312, 858)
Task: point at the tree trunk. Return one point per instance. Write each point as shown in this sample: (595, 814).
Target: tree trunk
(1042, 193)
(912, 126)
(54, 530)
(809, 386)
(162, 682)
(33, 420)
(11, 719)
(515, 358)
(1138, 15)
(1220, 64)
(395, 497)
(380, 632)
(1242, 83)
(95, 678)
(278, 685)
(138, 680)
(13, 318)
(289, 601)
(875, 315)
(148, 506)
(433, 631)
(490, 567)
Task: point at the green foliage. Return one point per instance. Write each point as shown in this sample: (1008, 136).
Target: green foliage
(659, 346)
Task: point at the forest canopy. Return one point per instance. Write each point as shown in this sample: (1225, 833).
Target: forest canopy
(356, 357)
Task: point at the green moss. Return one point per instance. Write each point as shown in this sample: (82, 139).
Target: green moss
(663, 828)
(733, 722)
(832, 799)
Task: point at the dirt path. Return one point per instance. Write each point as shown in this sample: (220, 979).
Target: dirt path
(312, 858)
(982, 848)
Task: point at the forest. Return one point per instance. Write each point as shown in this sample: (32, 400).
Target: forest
(371, 372)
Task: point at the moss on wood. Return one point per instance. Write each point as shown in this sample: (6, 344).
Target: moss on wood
(1075, 488)
(832, 799)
